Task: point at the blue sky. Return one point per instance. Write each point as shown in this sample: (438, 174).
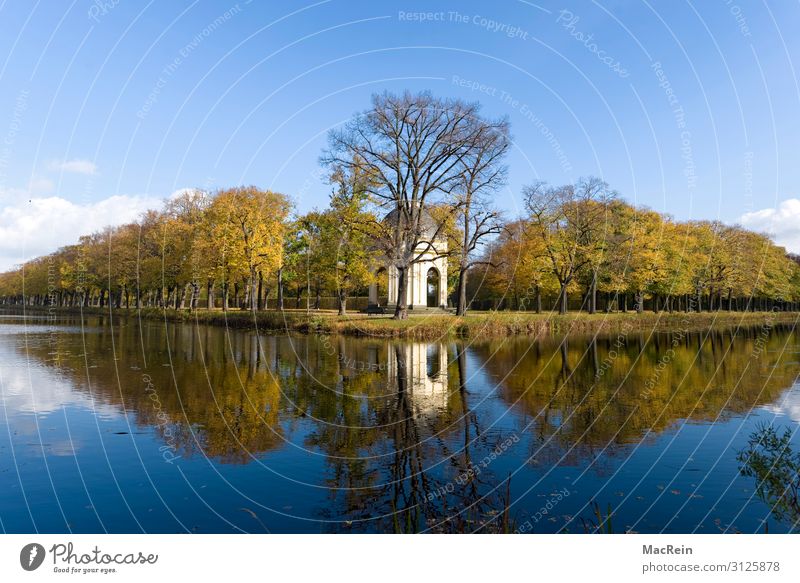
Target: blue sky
(108, 106)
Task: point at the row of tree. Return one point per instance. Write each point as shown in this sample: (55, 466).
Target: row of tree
(231, 249)
(583, 240)
(416, 156)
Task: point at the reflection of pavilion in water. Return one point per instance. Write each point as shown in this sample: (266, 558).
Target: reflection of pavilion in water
(423, 366)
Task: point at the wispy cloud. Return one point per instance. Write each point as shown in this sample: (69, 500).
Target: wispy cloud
(781, 223)
(75, 166)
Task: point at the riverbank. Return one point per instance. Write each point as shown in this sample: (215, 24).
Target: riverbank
(432, 326)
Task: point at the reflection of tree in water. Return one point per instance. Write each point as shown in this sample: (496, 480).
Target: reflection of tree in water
(586, 396)
(390, 450)
(769, 459)
(398, 426)
(229, 411)
(386, 434)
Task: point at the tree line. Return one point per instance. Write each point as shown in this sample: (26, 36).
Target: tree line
(232, 249)
(415, 155)
(582, 241)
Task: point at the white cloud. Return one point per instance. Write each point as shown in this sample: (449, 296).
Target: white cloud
(37, 226)
(789, 406)
(42, 390)
(781, 223)
(76, 166)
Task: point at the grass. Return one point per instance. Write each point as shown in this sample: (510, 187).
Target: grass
(434, 326)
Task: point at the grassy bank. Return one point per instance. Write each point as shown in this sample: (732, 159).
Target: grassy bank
(428, 326)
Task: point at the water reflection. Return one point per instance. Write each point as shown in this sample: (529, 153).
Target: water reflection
(616, 391)
(788, 406)
(371, 435)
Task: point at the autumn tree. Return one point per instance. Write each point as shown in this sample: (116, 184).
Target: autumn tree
(572, 223)
(644, 254)
(347, 237)
(251, 224)
(517, 267)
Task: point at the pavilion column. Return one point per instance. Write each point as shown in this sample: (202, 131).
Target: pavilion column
(392, 285)
(415, 284)
(373, 293)
(442, 286)
(421, 293)
(410, 286)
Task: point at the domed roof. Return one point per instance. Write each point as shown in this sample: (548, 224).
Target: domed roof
(428, 225)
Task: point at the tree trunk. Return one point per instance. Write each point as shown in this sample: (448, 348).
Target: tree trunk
(461, 307)
(260, 291)
(183, 294)
(195, 290)
(254, 291)
(342, 302)
(562, 299)
(538, 299)
(401, 309)
(280, 288)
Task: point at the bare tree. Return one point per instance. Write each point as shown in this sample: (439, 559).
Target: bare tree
(414, 148)
(484, 173)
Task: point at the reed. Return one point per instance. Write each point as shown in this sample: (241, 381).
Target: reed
(603, 525)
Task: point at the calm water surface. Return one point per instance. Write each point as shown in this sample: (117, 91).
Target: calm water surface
(171, 428)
